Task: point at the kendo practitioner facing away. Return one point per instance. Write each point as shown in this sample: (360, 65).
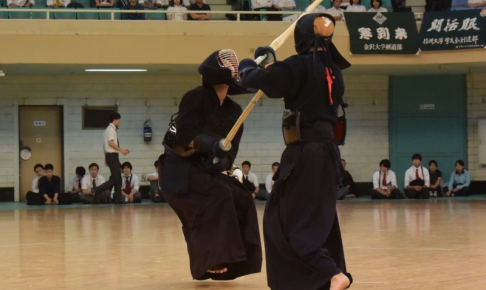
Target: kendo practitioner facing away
(218, 214)
(303, 242)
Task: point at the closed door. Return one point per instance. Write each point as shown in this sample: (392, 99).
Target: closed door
(427, 116)
(41, 131)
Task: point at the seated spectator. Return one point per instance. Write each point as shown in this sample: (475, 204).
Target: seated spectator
(133, 5)
(50, 186)
(20, 3)
(336, 11)
(385, 183)
(348, 188)
(476, 3)
(154, 4)
(104, 3)
(435, 179)
(130, 184)
(250, 180)
(417, 179)
(176, 6)
(155, 193)
(356, 7)
(58, 3)
(460, 181)
(258, 5)
(33, 197)
(280, 5)
(199, 6)
(89, 184)
(319, 8)
(75, 184)
(376, 6)
(269, 180)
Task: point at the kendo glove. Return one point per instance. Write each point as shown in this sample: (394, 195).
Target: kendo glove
(245, 65)
(210, 145)
(268, 52)
(214, 168)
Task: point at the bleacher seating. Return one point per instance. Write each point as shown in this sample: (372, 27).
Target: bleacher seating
(92, 15)
(28, 13)
(155, 16)
(66, 14)
(107, 16)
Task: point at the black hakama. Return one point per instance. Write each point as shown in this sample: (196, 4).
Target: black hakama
(303, 243)
(218, 214)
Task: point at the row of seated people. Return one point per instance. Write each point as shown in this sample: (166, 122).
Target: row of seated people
(179, 9)
(46, 187)
(420, 182)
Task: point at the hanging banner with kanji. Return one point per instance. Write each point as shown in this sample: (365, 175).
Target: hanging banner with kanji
(450, 30)
(382, 33)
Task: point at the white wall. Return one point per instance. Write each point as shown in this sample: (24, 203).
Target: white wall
(262, 144)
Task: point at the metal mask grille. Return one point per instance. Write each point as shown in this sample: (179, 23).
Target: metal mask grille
(228, 59)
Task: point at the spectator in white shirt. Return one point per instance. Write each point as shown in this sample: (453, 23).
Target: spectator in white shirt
(417, 179)
(154, 4)
(104, 3)
(385, 183)
(269, 180)
(130, 184)
(179, 15)
(356, 7)
(155, 191)
(257, 5)
(89, 184)
(20, 3)
(319, 8)
(250, 180)
(75, 183)
(336, 10)
(32, 197)
(376, 6)
(58, 3)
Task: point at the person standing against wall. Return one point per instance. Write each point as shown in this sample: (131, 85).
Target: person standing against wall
(111, 147)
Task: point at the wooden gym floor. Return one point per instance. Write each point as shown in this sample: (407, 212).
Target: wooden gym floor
(432, 244)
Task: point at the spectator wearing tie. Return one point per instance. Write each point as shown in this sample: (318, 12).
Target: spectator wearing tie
(417, 179)
(385, 183)
(111, 149)
(250, 180)
(33, 197)
(460, 181)
(130, 185)
(435, 179)
(90, 183)
(155, 193)
(269, 180)
(75, 183)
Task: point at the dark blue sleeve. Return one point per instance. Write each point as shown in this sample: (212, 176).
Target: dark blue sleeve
(57, 185)
(42, 185)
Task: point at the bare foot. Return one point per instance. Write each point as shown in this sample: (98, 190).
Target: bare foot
(218, 270)
(339, 282)
(55, 201)
(48, 202)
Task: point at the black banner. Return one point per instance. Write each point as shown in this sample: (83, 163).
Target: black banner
(382, 33)
(450, 30)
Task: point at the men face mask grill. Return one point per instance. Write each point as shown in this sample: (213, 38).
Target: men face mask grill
(228, 59)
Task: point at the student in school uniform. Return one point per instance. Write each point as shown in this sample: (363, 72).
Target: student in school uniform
(417, 179)
(385, 183)
(50, 186)
(435, 188)
(356, 7)
(75, 184)
(459, 181)
(177, 11)
(336, 11)
(112, 148)
(89, 184)
(269, 180)
(155, 192)
(376, 6)
(130, 184)
(250, 180)
(33, 197)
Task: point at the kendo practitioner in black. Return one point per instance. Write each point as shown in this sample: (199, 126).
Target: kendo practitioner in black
(218, 214)
(303, 243)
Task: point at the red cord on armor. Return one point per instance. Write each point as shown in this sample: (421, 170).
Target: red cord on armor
(330, 79)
